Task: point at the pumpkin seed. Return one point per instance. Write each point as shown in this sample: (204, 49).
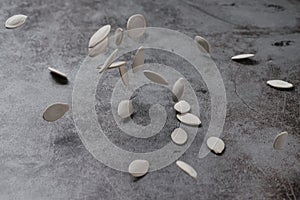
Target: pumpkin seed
(125, 108)
(138, 168)
(55, 111)
(242, 56)
(155, 77)
(178, 89)
(119, 36)
(99, 35)
(203, 43)
(182, 107)
(136, 26)
(15, 21)
(124, 74)
(187, 168)
(280, 84)
(189, 119)
(138, 59)
(109, 60)
(99, 48)
(280, 140)
(215, 144)
(179, 136)
(55, 71)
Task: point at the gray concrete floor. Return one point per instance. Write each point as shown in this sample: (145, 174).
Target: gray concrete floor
(40, 160)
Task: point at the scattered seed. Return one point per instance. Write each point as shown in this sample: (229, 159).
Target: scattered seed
(125, 108)
(203, 43)
(15, 21)
(138, 59)
(280, 84)
(138, 168)
(155, 77)
(117, 64)
(99, 35)
(136, 26)
(55, 71)
(179, 136)
(109, 60)
(187, 168)
(119, 36)
(242, 56)
(215, 144)
(182, 107)
(55, 111)
(99, 48)
(124, 75)
(280, 140)
(178, 89)
(189, 119)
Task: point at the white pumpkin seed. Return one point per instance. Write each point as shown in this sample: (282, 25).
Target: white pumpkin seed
(55, 111)
(203, 43)
(119, 36)
(182, 106)
(189, 119)
(178, 89)
(124, 74)
(125, 108)
(15, 21)
(215, 144)
(109, 60)
(136, 26)
(242, 56)
(179, 136)
(116, 64)
(187, 168)
(138, 59)
(55, 71)
(138, 168)
(155, 77)
(99, 48)
(280, 84)
(280, 140)
(99, 35)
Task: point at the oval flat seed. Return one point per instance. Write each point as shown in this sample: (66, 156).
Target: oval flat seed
(187, 168)
(15, 21)
(182, 106)
(215, 144)
(189, 119)
(136, 26)
(109, 60)
(124, 74)
(119, 36)
(179, 136)
(178, 89)
(280, 140)
(125, 108)
(155, 77)
(138, 59)
(117, 64)
(280, 84)
(55, 111)
(203, 43)
(52, 70)
(99, 48)
(99, 35)
(242, 56)
(138, 168)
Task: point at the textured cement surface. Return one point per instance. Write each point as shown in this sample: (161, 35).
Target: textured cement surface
(40, 160)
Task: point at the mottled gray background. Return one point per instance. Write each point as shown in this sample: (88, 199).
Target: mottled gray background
(41, 160)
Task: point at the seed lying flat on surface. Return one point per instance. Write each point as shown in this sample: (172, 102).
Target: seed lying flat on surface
(117, 64)
(242, 56)
(109, 60)
(189, 119)
(138, 168)
(125, 108)
(138, 59)
(155, 77)
(187, 168)
(202, 42)
(182, 106)
(178, 89)
(179, 136)
(55, 71)
(119, 36)
(280, 140)
(280, 84)
(15, 21)
(55, 111)
(215, 144)
(124, 74)
(99, 35)
(99, 48)
(136, 26)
